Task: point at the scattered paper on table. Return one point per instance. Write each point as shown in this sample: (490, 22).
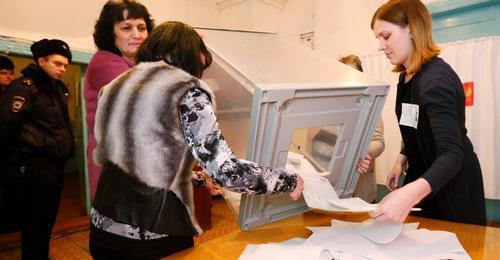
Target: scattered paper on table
(344, 240)
(380, 232)
(411, 243)
(280, 252)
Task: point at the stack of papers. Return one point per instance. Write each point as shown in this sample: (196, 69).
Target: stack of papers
(354, 240)
(281, 252)
(366, 240)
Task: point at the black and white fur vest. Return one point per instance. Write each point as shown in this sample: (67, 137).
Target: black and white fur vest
(138, 129)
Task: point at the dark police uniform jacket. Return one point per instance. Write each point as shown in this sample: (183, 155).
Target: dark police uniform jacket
(34, 116)
(35, 143)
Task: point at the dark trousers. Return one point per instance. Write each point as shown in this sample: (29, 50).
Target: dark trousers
(36, 201)
(105, 245)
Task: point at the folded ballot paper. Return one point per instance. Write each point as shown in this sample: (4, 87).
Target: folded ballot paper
(318, 192)
(347, 240)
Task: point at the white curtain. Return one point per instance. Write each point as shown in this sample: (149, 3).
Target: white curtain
(477, 61)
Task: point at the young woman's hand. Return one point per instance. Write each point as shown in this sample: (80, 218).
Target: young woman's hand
(393, 177)
(214, 188)
(396, 206)
(364, 164)
(295, 195)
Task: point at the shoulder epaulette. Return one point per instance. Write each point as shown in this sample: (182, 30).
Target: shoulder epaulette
(27, 81)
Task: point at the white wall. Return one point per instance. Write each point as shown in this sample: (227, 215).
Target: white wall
(73, 20)
(343, 27)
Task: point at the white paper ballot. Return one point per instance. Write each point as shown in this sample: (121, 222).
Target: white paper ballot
(349, 240)
(301, 165)
(318, 191)
(296, 241)
(357, 205)
(412, 243)
(380, 232)
(248, 251)
(339, 224)
(354, 204)
(279, 252)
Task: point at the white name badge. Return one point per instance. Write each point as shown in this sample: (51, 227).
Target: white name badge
(409, 115)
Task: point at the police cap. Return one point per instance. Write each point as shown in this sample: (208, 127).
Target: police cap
(47, 47)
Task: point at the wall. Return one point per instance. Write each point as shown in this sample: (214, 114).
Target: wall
(343, 27)
(73, 20)
(70, 20)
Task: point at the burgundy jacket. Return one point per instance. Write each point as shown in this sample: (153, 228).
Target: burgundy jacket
(102, 69)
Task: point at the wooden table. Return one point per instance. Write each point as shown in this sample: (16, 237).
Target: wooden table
(480, 242)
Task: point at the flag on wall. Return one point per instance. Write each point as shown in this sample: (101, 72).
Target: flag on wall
(469, 93)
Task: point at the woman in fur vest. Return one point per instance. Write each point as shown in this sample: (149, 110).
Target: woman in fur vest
(152, 123)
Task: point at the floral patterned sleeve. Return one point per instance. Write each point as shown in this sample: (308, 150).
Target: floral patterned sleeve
(212, 152)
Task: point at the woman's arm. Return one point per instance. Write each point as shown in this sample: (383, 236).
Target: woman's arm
(439, 100)
(377, 146)
(212, 152)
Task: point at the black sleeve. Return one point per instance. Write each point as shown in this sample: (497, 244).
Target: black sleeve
(441, 104)
(14, 105)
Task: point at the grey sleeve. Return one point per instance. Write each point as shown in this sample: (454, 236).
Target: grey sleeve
(212, 152)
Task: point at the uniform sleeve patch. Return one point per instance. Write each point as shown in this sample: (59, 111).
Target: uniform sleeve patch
(18, 103)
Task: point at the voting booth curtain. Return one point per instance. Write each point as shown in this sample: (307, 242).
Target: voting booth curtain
(477, 63)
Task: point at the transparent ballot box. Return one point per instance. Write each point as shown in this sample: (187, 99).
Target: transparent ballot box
(281, 104)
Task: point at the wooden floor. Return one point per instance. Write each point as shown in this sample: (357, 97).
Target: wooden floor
(73, 243)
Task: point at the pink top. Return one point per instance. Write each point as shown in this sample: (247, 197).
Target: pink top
(102, 69)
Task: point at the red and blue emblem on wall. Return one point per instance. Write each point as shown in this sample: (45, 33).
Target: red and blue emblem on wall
(469, 93)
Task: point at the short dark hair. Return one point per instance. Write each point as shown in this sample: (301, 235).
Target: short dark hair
(177, 44)
(6, 63)
(111, 14)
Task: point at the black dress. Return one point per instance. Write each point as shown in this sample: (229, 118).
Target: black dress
(438, 148)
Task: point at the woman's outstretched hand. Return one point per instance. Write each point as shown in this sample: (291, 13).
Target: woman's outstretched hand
(295, 195)
(396, 206)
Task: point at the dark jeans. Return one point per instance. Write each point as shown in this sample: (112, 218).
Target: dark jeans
(105, 245)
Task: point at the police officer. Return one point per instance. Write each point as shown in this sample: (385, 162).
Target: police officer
(36, 141)
(6, 73)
